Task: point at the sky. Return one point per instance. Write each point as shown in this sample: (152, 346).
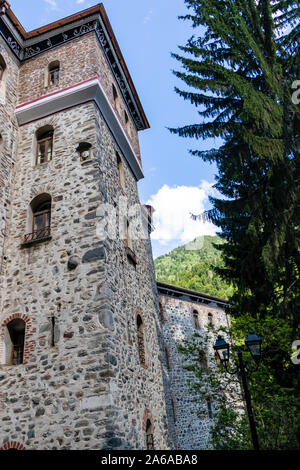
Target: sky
(176, 183)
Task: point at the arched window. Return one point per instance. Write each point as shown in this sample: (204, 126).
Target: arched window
(141, 340)
(2, 67)
(210, 408)
(149, 435)
(196, 320)
(203, 360)
(85, 151)
(116, 98)
(41, 218)
(161, 312)
(14, 337)
(167, 357)
(173, 408)
(127, 123)
(210, 319)
(121, 171)
(53, 73)
(44, 150)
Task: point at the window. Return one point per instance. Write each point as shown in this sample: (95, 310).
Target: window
(161, 312)
(196, 320)
(141, 341)
(127, 123)
(44, 149)
(121, 171)
(14, 341)
(128, 243)
(53, 73)
(2, 67)
(210, 319)
(116, 98)
(173, 409)
(52, 336)
(85, 151)
(41, 218)
(149, 435)
(167, 357)
(210, 408)
(203, 360)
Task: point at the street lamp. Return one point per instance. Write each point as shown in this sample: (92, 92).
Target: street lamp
(253, 343)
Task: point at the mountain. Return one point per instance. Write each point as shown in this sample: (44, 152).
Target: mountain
(191, 266)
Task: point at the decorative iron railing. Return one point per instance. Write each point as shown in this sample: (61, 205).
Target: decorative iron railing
(37, 235)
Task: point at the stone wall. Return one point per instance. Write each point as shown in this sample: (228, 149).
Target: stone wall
(8, 133)
(80, 59)
(89, 390)
(189, 432)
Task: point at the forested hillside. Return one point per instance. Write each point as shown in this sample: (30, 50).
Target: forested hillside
(191, 266)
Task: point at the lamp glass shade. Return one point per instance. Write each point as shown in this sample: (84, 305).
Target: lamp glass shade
(222, 349)
(253, 343)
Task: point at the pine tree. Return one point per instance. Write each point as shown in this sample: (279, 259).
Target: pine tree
(241, 73)
(242, 70)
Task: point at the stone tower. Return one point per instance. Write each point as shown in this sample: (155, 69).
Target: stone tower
(80, 348)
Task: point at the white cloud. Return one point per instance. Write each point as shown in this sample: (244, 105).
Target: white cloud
(52, 4)
(173, 207)
(80, 1)
(148, 16)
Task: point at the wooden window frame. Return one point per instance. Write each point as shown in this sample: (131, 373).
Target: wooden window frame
(56, 78)
(41, 141)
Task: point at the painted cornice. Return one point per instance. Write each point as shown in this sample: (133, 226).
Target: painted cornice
(28, 45)
(84, 92)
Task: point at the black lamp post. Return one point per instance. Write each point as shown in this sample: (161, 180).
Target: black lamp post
(253, 343)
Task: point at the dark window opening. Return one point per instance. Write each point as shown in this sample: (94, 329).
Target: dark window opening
(196, 320)
(149, 435)
(141, 342)
(85, 151)
(52, 332)
(16, 329)
(210, 408)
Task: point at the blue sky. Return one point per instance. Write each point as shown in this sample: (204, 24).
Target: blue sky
(175, 182)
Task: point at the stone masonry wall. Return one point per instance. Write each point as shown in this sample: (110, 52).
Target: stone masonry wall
(80, 60)
(8, 133)
(191, 433)
(88, 391)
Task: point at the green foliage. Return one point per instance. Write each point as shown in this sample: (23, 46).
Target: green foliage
(241, 70)
(192, 266)
(276, 408)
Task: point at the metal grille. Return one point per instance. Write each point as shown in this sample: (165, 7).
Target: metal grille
(150, 442)
(38, 235)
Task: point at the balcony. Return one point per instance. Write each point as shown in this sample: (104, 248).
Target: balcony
(39, 236)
